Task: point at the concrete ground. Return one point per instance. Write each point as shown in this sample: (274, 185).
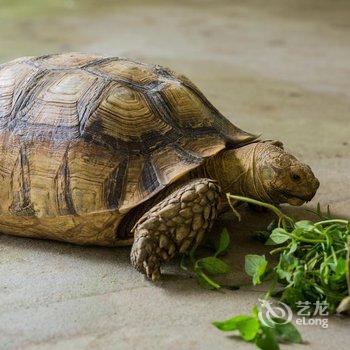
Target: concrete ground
(280, 68)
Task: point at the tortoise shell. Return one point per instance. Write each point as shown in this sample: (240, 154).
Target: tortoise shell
(84, 139)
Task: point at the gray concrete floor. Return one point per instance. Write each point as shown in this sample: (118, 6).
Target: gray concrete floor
(280, 68)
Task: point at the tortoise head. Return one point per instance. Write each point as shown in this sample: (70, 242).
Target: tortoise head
(276, 176)
(264, 171)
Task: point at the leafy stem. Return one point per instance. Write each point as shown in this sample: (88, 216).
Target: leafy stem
(203, 267)
(326, 222)
(308, 240)
(284, 220)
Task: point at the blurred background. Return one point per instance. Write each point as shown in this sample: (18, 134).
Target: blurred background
(276, 67)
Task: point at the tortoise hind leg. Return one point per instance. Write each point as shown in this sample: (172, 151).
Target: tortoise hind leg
(174, 225)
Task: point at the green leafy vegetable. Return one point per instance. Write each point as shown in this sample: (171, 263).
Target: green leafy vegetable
(313, 261)
(213, 265)
(248, 326)
(224, 242)
(210, 265)
(279, 235)
(255, 266)
(267, 339)
(313, 268)
(251, 329)
(206, 281)
(286, 331)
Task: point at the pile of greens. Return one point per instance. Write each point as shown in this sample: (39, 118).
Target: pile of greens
(313, 267)
(313, 263)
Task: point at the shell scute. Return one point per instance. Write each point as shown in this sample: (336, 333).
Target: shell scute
(64, 61)
(125, 70)
(95, 178)
(56, 102)
(188, 109)
(13, 80)
(164, 160)
(125, 115)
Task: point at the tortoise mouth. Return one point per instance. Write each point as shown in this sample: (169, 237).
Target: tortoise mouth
(293, 199)
(296, 201)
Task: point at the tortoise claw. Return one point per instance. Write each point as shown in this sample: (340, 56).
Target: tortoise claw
(143, 256)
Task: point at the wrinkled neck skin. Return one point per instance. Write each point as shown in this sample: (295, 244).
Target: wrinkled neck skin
(234, 169)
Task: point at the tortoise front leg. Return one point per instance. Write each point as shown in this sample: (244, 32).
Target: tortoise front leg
(174, 225)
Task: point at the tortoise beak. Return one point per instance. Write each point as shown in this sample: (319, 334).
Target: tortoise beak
(295, 201)
(299, 200)
(314, 185)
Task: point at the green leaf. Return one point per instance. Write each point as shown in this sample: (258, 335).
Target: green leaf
(305, 224)
(282, 274)
(286, 331)
(230, 324)
(206, 281)
(255, 266)
(279, 235)
(259, 273)
(340, 268)
(255, 311)
(293, 247)
(252, 262)
(213, 265)
(224, 242)
(267, 339)
(270, 242)
(298, 275)
(248, 326)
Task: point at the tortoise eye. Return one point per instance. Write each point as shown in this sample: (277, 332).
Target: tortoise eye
(296, 177)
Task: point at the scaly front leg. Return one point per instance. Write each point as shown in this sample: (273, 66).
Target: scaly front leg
(174, 225)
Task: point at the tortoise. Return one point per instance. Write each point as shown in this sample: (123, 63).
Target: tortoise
(109, 151)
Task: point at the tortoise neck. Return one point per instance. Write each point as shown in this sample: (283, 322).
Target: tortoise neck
(227, 169)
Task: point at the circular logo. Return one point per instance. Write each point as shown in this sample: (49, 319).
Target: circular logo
(271, 313)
